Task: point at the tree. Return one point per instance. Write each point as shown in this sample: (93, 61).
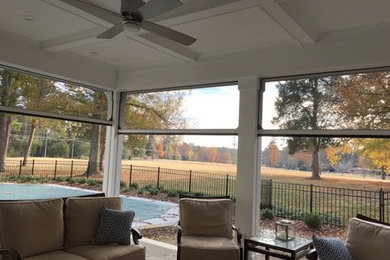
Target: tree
(306, 104)
(366, 105)
(160, 110)
(272, 152)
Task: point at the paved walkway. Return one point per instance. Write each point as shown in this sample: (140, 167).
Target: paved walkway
(156, 250)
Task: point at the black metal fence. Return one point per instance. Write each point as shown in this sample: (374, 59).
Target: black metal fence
(186, 181)
(335, 205)
(46, 168)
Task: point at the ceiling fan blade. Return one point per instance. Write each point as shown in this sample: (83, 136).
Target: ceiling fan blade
(104, 14)
(131, 5)
(112, 32)
(168, 33)
(155, 8)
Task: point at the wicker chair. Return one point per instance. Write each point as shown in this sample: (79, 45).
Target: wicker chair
(205, 230)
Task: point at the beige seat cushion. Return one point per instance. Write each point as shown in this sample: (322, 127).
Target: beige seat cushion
(32, 227)
(209, 248)
(367, 240)
(56, 255)
(206, 217)
(82, 217)
(109, 252)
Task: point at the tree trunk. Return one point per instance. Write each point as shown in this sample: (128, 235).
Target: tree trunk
(4, 100)
(34, 125)
(102, 149)
(8, 134)
(93, 167)
(3, 125)
(315, 166)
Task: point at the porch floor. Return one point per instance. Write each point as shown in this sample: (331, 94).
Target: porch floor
(156, 250)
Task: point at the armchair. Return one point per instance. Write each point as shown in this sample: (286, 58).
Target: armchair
(205, 230)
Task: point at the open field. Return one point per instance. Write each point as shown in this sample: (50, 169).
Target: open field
(372, 183)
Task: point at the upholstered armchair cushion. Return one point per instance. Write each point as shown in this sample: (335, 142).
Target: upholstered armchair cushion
(32, 227)
(367, 240)
(209, 248)
(206, 217)
(109, 252)
(82, 217)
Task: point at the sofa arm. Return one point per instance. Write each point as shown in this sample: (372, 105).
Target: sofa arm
(312, 255)
(9, 252)
(136, 235)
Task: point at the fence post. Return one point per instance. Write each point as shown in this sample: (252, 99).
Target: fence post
(311, 198)
(130, 173)
(71, 170)
(32, 168)
(20, 167)
(55, 169)
(381, 205)
(190, 182)
(158, 177)
(227, 184)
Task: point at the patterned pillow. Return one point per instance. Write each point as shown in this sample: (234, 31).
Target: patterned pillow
(114, 227)
(331, 249)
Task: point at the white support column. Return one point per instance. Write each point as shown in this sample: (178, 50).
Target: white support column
(248, 176)
(113, 154)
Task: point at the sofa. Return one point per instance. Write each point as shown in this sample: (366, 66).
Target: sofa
(60, 229)
(366, 240)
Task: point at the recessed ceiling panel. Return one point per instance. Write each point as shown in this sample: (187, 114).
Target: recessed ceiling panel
(237, 29)
(335, 15)
(120, 52)
(39, 21)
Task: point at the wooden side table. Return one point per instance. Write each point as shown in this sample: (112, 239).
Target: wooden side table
(290, 250)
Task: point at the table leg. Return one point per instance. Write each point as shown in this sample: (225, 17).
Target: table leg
(266, 255)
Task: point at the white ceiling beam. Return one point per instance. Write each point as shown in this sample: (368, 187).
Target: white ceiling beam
(165, 46)
(286, 16)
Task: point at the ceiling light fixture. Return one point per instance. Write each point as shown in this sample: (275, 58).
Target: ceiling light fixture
(131, 26)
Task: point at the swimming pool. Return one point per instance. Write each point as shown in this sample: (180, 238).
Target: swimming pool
(146, 211)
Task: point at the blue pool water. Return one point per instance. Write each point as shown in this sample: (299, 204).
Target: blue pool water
(144, 209)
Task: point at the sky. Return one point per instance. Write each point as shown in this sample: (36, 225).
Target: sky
(218, 108)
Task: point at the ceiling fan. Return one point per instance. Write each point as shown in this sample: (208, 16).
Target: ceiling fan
(134, 15)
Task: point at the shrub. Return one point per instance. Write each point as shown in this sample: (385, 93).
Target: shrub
(153, 191)
(128, 189)
(134, 185)
(149, 187)
(313, 220)
(81, 180)
(59, 179)
(123, 184)
(172, 193)
(140, 191)
(181, 192)
(267, 214)
(91, 182)
(71, 180)
(198, 194)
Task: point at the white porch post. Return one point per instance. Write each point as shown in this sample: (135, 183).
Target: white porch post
(113, 153)
(248, 177)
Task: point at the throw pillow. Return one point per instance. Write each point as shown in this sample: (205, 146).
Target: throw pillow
(331, 249)
(114, 227)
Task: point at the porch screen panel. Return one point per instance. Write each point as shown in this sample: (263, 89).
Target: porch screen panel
(22, 92)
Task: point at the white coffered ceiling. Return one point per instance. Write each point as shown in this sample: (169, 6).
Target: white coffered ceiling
(222, 27)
